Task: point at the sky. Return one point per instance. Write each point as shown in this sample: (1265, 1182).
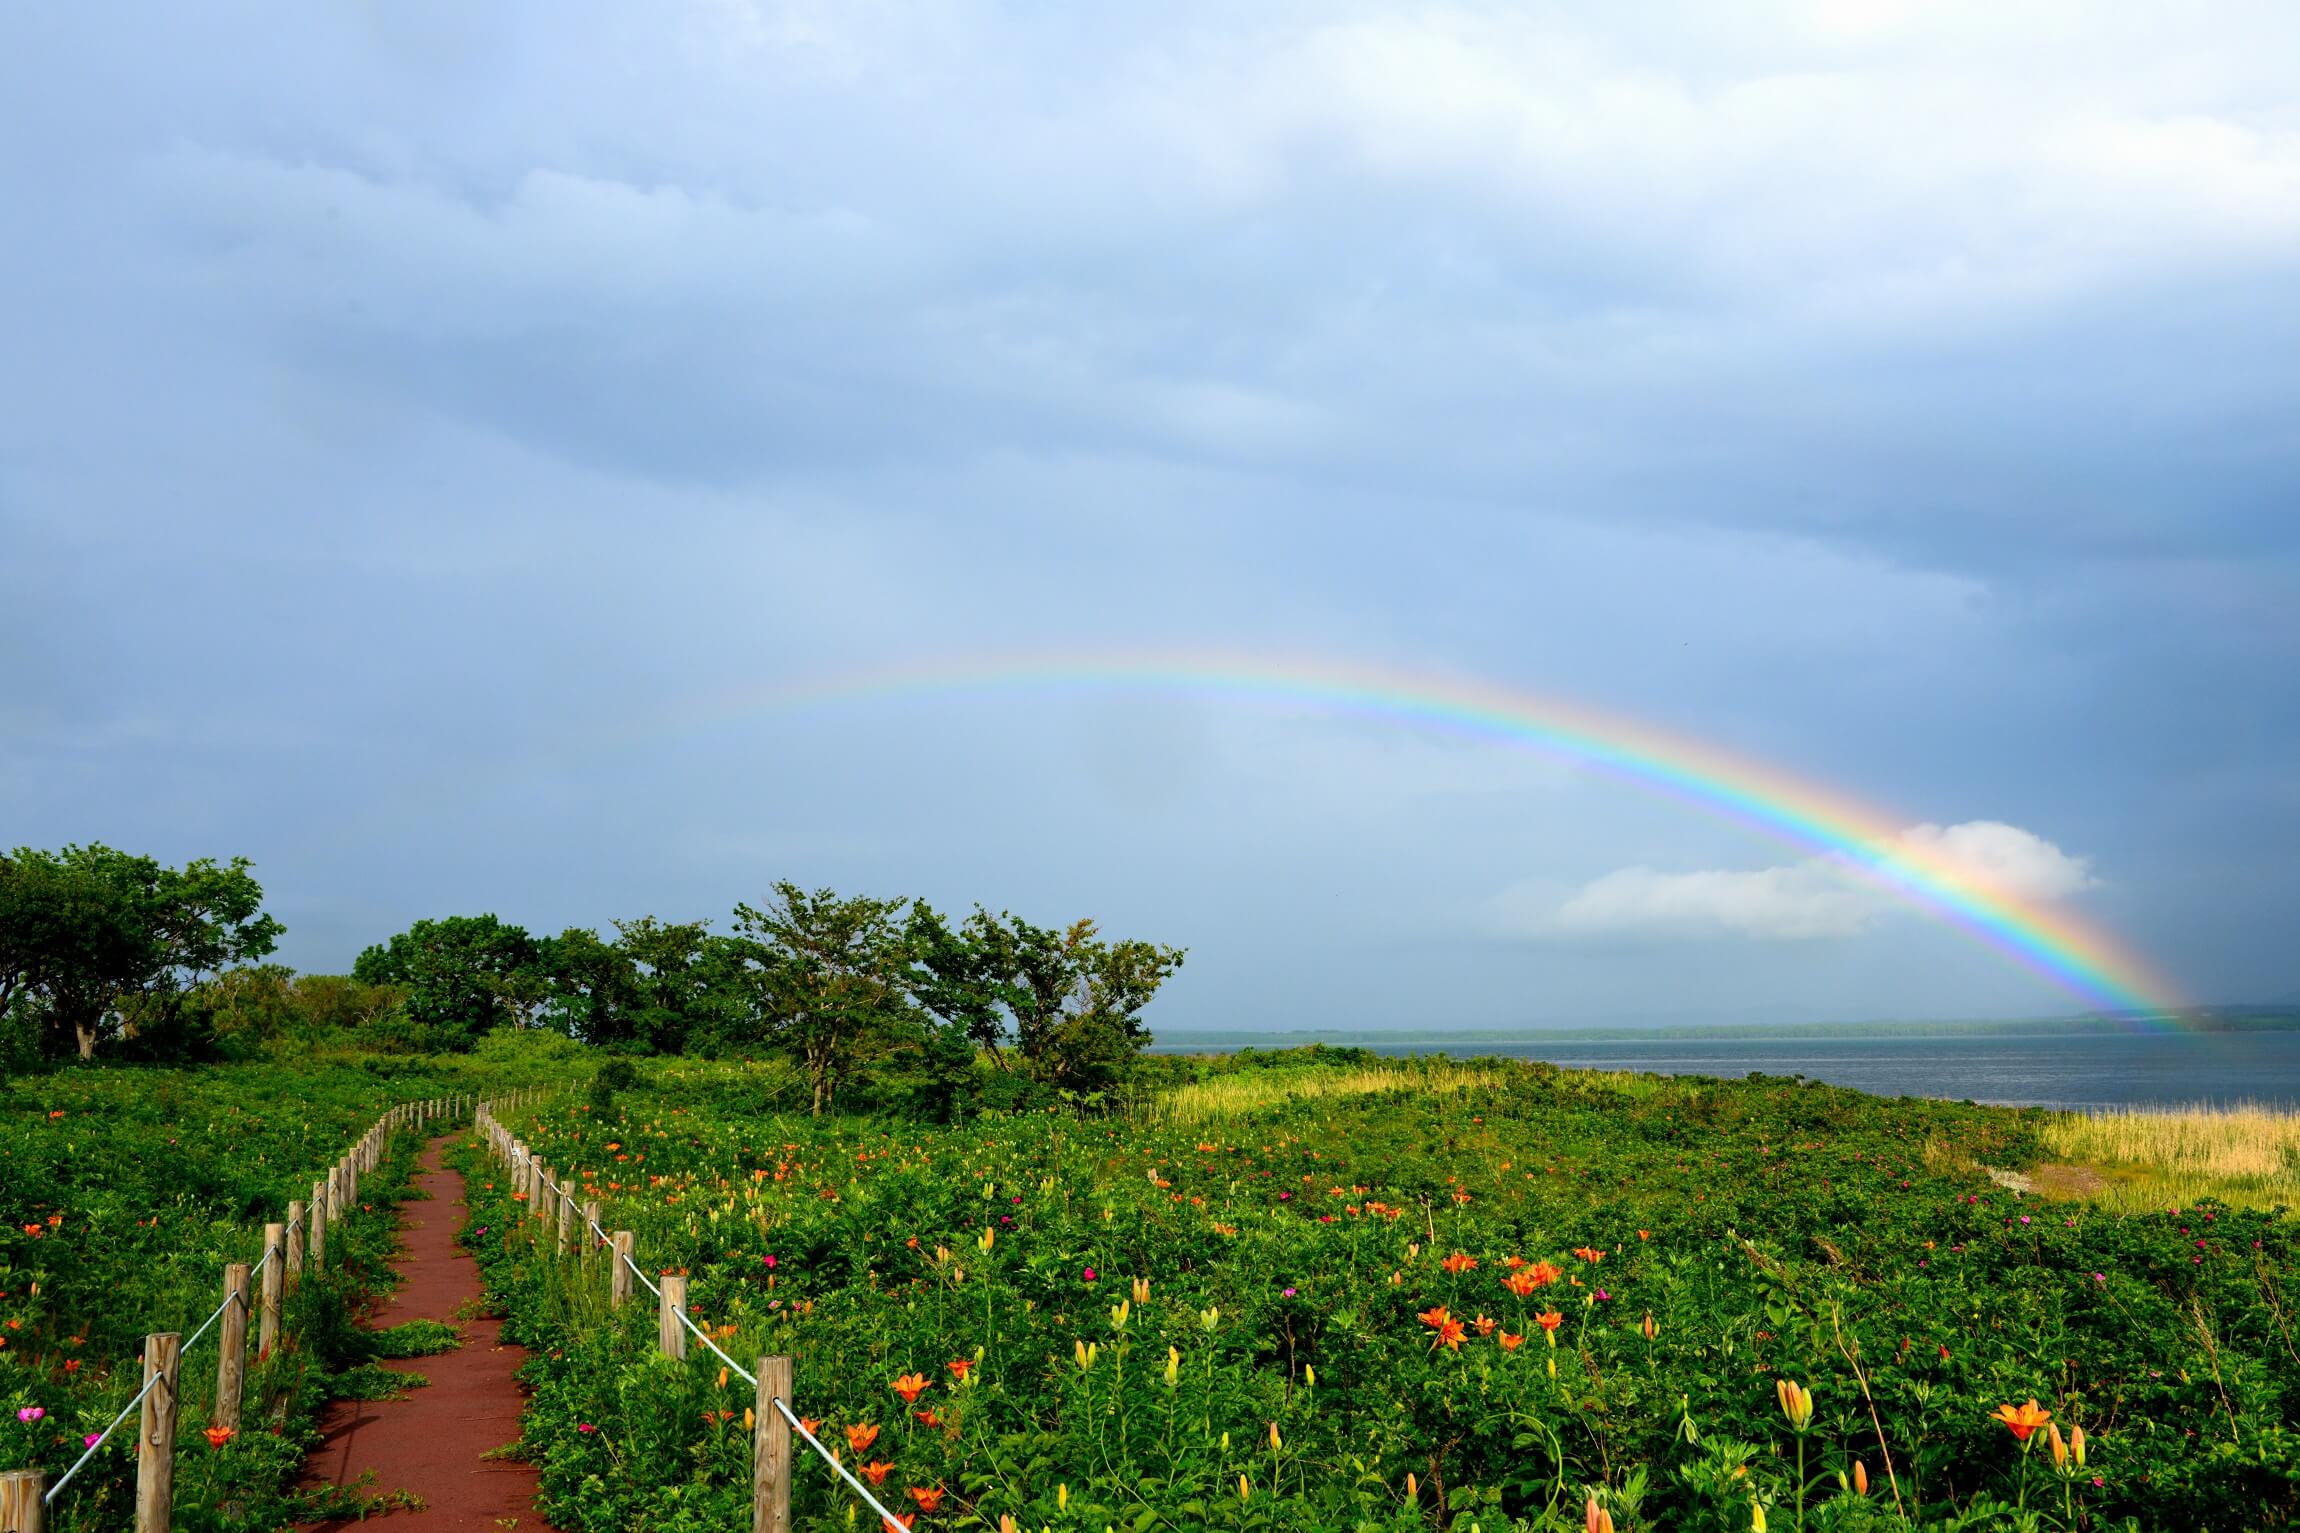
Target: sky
(437, 443)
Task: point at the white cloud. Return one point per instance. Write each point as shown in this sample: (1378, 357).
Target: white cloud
(1818, 898)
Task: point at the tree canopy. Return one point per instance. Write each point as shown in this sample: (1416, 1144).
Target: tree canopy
(98, 944)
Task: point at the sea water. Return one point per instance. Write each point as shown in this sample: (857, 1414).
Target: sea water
(2089, 1070)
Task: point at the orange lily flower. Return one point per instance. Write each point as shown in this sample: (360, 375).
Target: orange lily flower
(1589, 1255)
(1458, 1262)
(1549, 1320)
(1544, 1273)
(910, 1386)
(929, 1498)
(218, 1436)
(1519, 1283)
(861, 1437)
(927, 1418)
(1510, 1343)
(2022, 1419)
(876, 1473)
(1449, 1330)
(959, 1367)
(1484, 1325)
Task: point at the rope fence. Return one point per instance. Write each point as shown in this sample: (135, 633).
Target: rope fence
(552, 1203)
(290, 1248)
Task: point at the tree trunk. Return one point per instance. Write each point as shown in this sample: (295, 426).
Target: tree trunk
(87, 1038)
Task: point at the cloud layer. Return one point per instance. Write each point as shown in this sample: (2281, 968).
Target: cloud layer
(418, 417)
(1820, 897)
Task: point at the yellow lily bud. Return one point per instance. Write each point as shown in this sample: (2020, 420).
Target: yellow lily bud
(1173, 1366)
(1142, 1290)
(1796, 1403)
(1208, 1315)
(1119, 1312)
(1756, 1517)
(1413, 1488)
(2059, 1446)
(722, 1378)
(1275, 1443)
(989, 1238)
(1310, 1374)
(1244, 1490)
(1062, 1497)
(750, 1423)
(2076, 1444)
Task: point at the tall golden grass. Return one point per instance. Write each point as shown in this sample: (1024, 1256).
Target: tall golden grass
(2245, 1155)
(1231, 1096)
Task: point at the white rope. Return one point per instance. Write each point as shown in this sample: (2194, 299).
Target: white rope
(704, 1337)
(832, 1459)
(102, 1437)
(650, 1282)
(211, 1320)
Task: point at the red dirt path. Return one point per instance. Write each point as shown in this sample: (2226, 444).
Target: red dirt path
(431, 1443)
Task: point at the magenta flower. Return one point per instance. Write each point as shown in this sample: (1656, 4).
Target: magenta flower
(91, 1439)
(1090, 1274)
(770, 1261)
(585, 1426)
(30, 1413)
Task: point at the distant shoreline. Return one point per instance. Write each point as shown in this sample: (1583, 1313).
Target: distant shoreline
(2203, 1021)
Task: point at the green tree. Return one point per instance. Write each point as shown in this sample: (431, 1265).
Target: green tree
(463, 975)
(100, 944)
(679, 974)
(955, 976)
(826, 974)
(1076, 1000)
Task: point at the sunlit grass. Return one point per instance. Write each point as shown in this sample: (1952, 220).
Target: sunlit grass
(2148, 1158)
(1231, 1096)
(1246, 1091)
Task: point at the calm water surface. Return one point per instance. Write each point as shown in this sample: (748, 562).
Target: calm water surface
(2095, 1071)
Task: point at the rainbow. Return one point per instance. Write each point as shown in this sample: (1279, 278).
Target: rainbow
(2083, 959)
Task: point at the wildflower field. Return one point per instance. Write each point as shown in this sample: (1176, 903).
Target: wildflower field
(1409, 1296)
(126, 1191)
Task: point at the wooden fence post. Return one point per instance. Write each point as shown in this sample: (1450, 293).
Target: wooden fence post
(670, 1336)
(318, 1211)
(619, 1270)
(295, 1228)
(540, 1191)
(22, 1509)
(590, 1223)
(268, 1323)
(156, 1433)
(566, 1218)
(232, 1346)
(771, 1450)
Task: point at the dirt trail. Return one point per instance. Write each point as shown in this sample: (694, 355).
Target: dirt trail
(431, 1443)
